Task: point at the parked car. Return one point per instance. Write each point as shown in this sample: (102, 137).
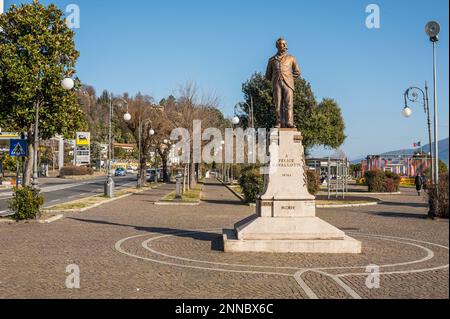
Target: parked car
(154, 175)
(131, 170)
(120, 172)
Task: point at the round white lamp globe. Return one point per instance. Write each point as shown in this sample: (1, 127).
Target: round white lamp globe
(151, 132)
(68, 84)
(235, 120)
(407, 112)
(127, 117)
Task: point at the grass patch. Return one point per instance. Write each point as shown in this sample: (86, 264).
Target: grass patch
(191, 196)
(90, 201)
(237, 189)
(78, 204)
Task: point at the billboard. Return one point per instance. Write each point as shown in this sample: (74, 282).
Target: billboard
(83, 139)
(8, 136)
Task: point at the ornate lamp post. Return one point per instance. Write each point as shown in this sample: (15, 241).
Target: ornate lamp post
(67, 84)
(412, 95)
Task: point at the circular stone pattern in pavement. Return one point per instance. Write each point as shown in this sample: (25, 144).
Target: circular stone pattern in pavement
(200, 249)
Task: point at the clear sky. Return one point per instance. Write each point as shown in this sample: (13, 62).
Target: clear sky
(156, 46)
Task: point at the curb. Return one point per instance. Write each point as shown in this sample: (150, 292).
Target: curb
(232, 190)
(177, 204)
(348, 205)
(51, 220)
(42, 221)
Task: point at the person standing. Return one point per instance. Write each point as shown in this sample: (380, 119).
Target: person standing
(419, 183)
(424, 182)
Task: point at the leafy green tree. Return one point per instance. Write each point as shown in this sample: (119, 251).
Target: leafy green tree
(37, 51)
(320, 123)
(443, 169)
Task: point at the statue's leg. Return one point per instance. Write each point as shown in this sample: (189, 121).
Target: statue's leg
(277, 97)
(286, 105)
(290, 107)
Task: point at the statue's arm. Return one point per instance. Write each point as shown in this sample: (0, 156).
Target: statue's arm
(296, 69)
(269, 71)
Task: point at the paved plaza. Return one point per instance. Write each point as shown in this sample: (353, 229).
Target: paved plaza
(131, 248)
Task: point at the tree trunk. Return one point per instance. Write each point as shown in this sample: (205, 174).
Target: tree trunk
(192, 177)
(29, 162)
(143, 171)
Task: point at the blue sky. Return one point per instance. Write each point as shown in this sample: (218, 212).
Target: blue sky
(156, 46)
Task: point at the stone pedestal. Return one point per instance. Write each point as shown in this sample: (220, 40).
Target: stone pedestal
(285, 219)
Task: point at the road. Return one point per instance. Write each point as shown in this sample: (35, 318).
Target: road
(57, 191)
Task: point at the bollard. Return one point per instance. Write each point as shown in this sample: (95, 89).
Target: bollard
(179, 187)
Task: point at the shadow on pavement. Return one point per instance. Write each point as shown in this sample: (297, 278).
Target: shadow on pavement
(223, 202)
(215, 239)
(418, 205)
(399, 215)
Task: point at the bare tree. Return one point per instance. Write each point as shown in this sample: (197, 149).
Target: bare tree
(187, 108)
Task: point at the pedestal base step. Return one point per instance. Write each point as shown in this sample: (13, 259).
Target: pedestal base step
(286, 228)
(347, 245)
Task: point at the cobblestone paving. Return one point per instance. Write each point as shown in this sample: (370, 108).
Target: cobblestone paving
(132, 248)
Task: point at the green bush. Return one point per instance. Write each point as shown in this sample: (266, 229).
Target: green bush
(9, 163)
(382, 182)
(251, 182)
(313, 182)
(375, 180)
(392, 182)
(75, 171)
(25, 203)
(441, 201)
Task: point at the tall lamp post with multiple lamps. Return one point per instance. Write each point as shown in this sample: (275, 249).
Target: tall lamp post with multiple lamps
(109, 183)
(412, 95)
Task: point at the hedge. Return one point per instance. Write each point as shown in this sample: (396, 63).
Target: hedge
(75, 171)
(382, 182)
(252, 182)
(442, 200)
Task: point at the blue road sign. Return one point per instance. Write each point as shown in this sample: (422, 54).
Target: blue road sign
(18, 148)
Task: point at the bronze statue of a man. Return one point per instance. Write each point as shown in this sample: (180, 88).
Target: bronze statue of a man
(282, 71)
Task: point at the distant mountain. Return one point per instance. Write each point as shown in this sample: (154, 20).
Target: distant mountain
(443, 152)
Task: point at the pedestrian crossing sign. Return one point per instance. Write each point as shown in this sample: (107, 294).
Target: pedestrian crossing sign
(18, 148)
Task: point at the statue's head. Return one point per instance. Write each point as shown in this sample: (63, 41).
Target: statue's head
(282, 45)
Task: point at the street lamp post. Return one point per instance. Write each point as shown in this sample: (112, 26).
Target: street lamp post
(109, 183)
(432, 29)
(235, 121)
(251, 115)
(67, 84)
(412, 95)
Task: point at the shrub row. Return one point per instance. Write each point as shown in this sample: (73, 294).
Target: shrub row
(75, 171)
(439, 203)
(382, 182)
(25, 203)
(252, 182)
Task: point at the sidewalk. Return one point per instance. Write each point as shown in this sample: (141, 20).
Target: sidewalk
(132, 248)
